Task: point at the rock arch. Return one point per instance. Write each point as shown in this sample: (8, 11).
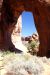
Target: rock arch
(12, 9)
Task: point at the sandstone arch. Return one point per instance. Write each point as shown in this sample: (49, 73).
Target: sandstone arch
(41, 11)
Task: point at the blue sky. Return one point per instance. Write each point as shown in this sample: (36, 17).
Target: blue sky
(28, 25)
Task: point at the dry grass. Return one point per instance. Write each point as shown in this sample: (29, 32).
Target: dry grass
(23, 64)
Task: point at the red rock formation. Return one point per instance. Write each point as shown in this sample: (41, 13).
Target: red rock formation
(12, 9)
(31, 38)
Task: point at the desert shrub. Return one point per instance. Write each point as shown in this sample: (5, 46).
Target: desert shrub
(33, 47)
(23, 66)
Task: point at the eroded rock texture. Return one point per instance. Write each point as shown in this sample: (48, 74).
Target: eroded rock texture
(16, 36)
(12, 9)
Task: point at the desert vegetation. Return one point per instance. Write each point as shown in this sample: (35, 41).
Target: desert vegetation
(32, 43)
(23, 64)
(33, 47)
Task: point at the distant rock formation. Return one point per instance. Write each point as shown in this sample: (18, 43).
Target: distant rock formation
(34, 36)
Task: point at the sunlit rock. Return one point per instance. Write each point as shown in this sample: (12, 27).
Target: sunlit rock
(16, 36)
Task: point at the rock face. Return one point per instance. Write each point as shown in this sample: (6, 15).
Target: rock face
(12, 9)
(16, 36)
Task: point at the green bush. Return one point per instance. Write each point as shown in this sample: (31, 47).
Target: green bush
(33, 47)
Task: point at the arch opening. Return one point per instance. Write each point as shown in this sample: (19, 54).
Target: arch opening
(29, 32)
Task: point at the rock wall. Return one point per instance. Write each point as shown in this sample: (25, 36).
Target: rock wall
(16, 36)
(12, 9)
(42, 21)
